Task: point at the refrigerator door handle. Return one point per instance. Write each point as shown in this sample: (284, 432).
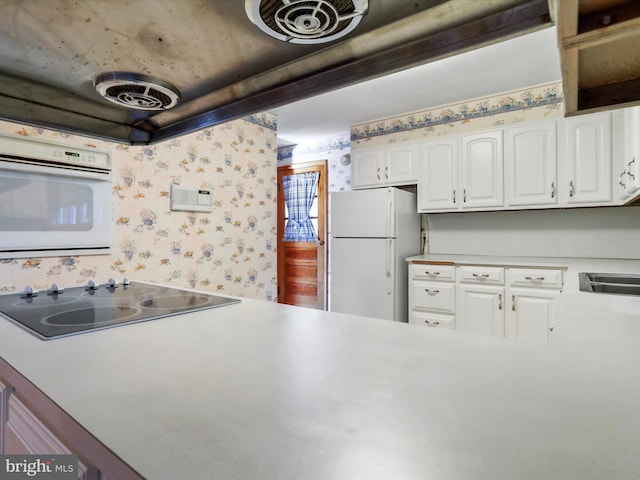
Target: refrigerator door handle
(389, 266)
(390, 214)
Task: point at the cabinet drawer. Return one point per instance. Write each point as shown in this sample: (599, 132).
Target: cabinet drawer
(481, 275)
(433, 320)
(535, 277)
(420, 271)
(432, 296)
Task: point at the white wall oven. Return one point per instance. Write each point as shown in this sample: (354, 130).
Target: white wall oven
(54, 199)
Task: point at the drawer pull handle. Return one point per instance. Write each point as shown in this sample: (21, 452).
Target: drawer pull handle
(432, 324)
(481, 275)
(432, 274)
(431, 292)
(534, 279)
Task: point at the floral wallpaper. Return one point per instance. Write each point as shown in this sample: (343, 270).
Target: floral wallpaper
(230, 250)
(534, 103)
(331, 149)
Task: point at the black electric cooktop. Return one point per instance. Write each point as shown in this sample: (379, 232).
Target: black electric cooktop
(49, 314)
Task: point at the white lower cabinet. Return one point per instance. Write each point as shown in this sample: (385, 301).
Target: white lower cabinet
(480, 309)
(533, 296)
(480, 304)
(432, 295)
(531, 314)
(517, 303)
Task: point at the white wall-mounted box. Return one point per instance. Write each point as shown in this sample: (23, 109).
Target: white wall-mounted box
(190, 199)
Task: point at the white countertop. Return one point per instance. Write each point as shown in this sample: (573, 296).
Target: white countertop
(262, 390)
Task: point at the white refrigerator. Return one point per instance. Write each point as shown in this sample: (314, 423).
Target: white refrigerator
(372, 233)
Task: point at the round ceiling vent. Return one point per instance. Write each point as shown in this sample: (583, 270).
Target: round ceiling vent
(140, 92)
(306, 21)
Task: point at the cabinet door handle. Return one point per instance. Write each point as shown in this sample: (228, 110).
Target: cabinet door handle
(553, 189)
(378, 174)
(431, 292)
(534, 279)
(386, 172)
(464, 195)
(432, 274)
(481, 275)
(513, 303)
(432, 324)
(572, 188)
(454, 195)
(499, 301)
(628, 171)
(621, 182)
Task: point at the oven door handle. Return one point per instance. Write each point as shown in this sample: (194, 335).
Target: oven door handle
(60, 171)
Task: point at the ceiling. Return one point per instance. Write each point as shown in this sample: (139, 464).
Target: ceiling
(518, 63)
(220, 63)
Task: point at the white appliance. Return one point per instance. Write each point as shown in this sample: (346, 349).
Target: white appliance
(372, 232)
(54, 199)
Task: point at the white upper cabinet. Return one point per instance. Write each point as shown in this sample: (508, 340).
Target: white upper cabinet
(384, 166)
(482, 170)
(438, 181)
(365, 168)
(587, 155)
(531, 173)
(629, 173)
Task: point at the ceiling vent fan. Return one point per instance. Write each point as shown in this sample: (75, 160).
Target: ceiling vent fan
(306, 21)
(140, 92)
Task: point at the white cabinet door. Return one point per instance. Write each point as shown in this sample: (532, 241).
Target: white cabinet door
(382, 166)
(438, 175)
(401, 164)
(630, 176)
(531, 165)
(588, 159)
(366, 168)
(480, 309)
(531, 314)
(482, 170)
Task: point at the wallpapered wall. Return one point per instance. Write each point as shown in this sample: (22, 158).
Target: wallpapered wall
(534, 103)
(330, 149)
(231, 250)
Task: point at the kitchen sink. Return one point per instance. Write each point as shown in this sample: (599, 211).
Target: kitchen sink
(615, 283)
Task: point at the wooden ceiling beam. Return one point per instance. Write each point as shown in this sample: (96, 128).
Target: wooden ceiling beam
(598, 46)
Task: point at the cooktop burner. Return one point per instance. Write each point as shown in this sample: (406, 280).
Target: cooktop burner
(80, 309)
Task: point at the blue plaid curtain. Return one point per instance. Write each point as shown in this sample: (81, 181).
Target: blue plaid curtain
(299, 192)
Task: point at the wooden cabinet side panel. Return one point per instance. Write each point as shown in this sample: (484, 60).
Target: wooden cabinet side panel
(43, 424)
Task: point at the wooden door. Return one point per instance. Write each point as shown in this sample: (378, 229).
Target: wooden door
(302, 266)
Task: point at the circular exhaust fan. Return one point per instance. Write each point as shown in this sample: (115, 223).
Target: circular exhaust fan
(136, 91)
(306, 21)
